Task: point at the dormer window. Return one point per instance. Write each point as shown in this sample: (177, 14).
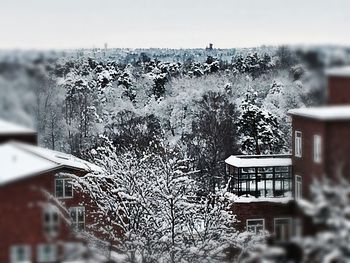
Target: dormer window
(298, 144)
(63, 188)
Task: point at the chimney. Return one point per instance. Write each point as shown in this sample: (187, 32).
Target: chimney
(338, 86)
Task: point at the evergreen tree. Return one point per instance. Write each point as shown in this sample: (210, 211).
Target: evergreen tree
(213, 138)
(259, 129)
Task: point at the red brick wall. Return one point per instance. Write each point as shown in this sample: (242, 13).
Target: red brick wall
(305, 166)
(335, 154)
(261, 210)
(338, 90)
(335, 150)
(21, 220)
(338, 149)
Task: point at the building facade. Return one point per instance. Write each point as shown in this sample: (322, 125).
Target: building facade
(42, 214)
(262, 194)
(264, 198)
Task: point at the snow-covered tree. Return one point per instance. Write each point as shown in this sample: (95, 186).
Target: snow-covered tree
(329, 209)
(149, 210)
(213, 137)
(259, 129)
(126, 81)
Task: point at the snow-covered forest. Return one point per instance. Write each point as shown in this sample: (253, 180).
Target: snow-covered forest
(213, 102)
(161, 123)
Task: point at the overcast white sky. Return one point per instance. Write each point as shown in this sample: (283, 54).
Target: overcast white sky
(171, 23)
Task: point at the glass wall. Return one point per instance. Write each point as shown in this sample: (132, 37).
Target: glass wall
(262, 181)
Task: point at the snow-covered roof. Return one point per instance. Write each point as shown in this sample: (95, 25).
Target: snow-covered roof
(11, 128)
(20, 160)
(59, 157)
(327, 113)
(252, 199)
(258, 160)
(339, 71)
(17, 164)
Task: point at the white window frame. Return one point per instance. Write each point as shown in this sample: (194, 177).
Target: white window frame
(64, 188)
(14, 254)
(255, 219)
(52, 227)
(298, 187)
(289, 224)
(317, 148)
(75, 221)
(298, 140)
(41, 257)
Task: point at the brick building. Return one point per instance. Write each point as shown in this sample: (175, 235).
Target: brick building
(41, 212)
(265, 187)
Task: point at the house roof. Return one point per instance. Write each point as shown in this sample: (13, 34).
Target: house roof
(58, 157)
(326, 113)
(11, 128)
(20, 160)
(339, 71)
(258, 160)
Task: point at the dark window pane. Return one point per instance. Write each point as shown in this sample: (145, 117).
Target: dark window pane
(47, 217)
(21, 253)
(68, 188)
(59, 188)
(55, 217)
(73, 214)
(81, 226)
(81, 215)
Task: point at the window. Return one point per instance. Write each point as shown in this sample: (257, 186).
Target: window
(255, 225)
(298, 227)
(298, 144)
(317, 149)
(77, 215)
(283, 228)
(263, 181)
(20, 254)
(47, 253)
(73, 251)
(298, 187)
(51, 221)
(63, 188)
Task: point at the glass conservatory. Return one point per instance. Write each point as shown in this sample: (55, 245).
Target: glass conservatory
(260, 175)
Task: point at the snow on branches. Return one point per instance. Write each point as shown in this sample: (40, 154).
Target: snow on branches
(330, 210)
(149, 208)
(259, 129)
